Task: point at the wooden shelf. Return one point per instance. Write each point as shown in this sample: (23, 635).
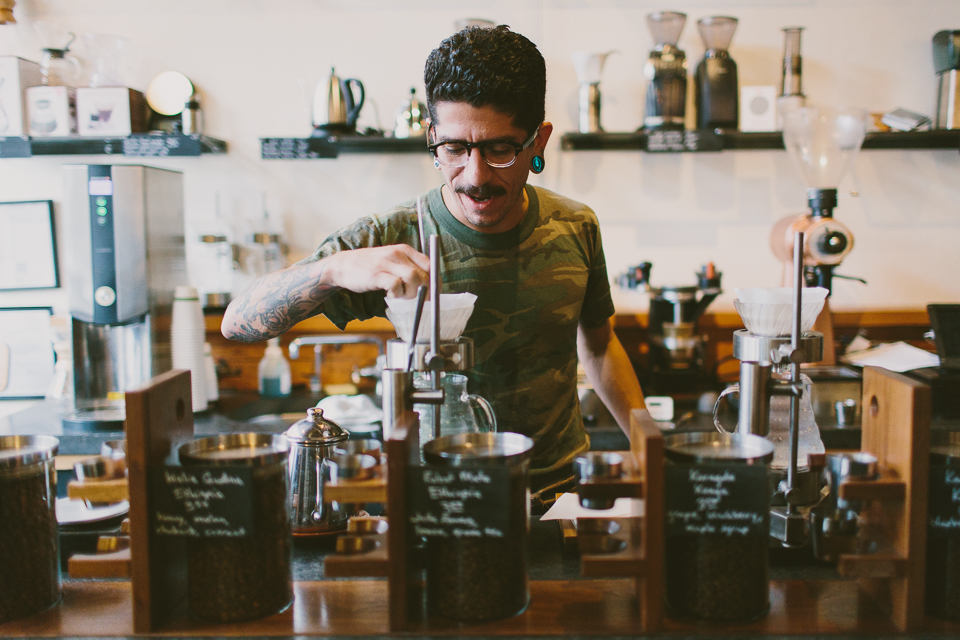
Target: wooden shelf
(681, 141)
(332, 146)
(140, 145)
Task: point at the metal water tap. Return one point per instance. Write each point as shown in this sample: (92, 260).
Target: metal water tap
(316, 385)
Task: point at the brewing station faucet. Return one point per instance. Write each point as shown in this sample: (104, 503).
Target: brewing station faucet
(316, 382)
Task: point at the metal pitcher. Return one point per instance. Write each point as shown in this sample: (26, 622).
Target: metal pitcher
(312, 442)
(335, 107)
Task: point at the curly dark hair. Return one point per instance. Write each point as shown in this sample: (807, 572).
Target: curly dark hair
(492, 67)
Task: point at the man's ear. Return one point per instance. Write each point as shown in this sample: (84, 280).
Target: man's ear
(543, 136)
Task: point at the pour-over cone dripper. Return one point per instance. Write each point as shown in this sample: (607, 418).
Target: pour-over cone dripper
(769, 312)
(666, 27)
(823, 142)
(589, 66)
(455, 310)
(717, 31)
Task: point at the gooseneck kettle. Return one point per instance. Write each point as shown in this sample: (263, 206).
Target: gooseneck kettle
(335, 107)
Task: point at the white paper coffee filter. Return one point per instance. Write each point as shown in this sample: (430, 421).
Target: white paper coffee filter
(769, 312)
(455, 311)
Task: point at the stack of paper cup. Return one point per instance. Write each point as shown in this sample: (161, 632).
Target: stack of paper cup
(187, 338)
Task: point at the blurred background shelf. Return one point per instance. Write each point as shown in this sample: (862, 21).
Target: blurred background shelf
(737, 140)
(136, 145)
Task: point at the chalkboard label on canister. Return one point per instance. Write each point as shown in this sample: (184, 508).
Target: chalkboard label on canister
(717, 500)
(201, 502)
(459, 502)
(942, 598)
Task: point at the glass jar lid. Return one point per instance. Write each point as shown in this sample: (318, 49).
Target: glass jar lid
(315, 430)
(500, 449)
(945, 447)
(717, 447)
(246, 449)
(17, 451)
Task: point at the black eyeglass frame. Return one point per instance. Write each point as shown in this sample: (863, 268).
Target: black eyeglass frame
(479, 146)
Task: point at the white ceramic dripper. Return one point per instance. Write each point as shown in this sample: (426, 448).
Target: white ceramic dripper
(589, 67)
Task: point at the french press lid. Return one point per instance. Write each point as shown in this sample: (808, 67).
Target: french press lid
(315, 430)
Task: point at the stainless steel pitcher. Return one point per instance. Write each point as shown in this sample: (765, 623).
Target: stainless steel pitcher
(312, 441)
(335, 107)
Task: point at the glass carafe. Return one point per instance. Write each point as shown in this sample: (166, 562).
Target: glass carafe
(461, 412)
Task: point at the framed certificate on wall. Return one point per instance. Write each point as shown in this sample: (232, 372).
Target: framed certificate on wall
(28, 246)
(26, 352)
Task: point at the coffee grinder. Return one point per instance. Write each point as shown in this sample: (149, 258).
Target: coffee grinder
(676, 347)
(946, 62)
(715, 80)
(823, 143)
(125, 255)
(666, 72)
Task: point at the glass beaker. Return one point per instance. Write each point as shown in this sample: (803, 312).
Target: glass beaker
(461, 412)
(109, 56)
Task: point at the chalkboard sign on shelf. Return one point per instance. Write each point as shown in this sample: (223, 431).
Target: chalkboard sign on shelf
(297, 148)
(202, 502)
(459, 502)
(15, 147)
(717, 500)
(675, 141)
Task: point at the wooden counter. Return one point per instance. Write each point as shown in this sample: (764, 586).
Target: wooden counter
(576, 608)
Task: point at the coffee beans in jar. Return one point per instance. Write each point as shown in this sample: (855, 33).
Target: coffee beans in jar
(471, 579)
(717, 526)
(29, 542)
(232, 579)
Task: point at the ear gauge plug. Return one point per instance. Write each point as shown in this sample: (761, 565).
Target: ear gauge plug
(436, 163)
(537, 164)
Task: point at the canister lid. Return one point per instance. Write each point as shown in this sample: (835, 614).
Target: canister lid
(16, 451)
(247, 449)
(315, 430)
(945, 447)
(717, 447)
(502, 449)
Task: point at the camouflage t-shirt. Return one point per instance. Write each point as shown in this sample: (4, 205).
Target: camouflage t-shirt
(534, 284)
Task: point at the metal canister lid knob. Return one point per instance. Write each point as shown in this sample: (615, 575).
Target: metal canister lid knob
(315, 430)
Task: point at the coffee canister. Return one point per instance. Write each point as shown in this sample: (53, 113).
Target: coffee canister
(717, 521)
(943, 526)
(243, 578)
(29, 539)
(484, 578)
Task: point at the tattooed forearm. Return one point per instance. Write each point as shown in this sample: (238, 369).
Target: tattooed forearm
(275, 303)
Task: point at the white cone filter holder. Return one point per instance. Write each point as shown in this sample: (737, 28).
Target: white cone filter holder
(769, 312)
(455, 310)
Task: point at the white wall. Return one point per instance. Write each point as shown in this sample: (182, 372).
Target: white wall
(677, 211)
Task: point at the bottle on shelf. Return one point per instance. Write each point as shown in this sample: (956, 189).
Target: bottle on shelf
(273, 373)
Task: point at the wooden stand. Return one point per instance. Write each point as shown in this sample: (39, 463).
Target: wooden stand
(642, 556)
(159, 419)
(896, 429)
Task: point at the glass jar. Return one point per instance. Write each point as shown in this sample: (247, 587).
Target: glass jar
(717, 526)
(235, 579)
(29, 539)
(943, 528)
(470, 579)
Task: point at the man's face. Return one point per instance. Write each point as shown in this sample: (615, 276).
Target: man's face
(485, 198)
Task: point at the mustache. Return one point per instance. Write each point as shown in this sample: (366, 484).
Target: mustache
(481, 192)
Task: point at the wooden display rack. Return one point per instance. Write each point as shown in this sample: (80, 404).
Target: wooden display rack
(896, 430)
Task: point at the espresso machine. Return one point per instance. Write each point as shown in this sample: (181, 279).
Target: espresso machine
(946, 62)
(666, 73)
(676, 347)
(715, 80)
(125, 255)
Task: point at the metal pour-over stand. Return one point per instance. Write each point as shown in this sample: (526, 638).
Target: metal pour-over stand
(370, 549)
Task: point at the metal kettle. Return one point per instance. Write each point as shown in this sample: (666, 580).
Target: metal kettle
(335, 107)
(312, 440)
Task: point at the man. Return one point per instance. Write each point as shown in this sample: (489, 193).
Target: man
(533, 258)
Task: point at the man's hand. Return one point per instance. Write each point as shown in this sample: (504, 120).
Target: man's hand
(279, 300)
(397, 269)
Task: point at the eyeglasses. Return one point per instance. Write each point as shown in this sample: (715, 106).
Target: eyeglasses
(496, 153)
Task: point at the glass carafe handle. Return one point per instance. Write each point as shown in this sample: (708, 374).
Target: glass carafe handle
(716, 407)
(487, 411)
